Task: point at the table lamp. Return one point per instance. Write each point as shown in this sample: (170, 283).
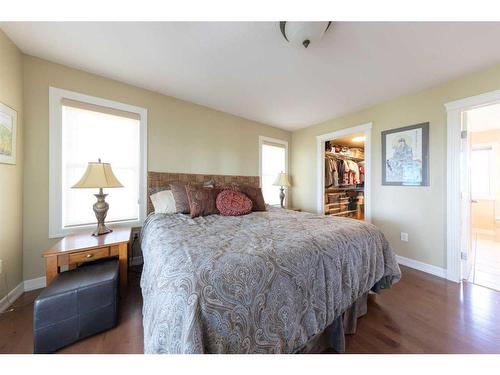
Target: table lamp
(282, 181)
(99, 175)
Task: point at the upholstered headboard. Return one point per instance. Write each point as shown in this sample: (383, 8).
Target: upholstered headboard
(161, 180)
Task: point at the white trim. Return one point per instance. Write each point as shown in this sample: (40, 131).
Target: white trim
(474, 101)
(421, 266)
(453, 213)
(32, 284)
(23, 286)
(320, 162)
(453, 260)
(277, 141)
(11, 297)
(55, 140)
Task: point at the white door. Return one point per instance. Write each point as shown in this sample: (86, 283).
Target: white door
(465, 194)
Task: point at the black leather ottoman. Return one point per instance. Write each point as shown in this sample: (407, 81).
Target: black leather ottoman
(77, 304)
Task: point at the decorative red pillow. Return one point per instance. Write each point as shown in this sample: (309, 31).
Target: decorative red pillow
(233, 203)
(254, 193)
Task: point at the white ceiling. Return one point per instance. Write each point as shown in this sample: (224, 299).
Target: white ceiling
(248, 69)
(484, 118)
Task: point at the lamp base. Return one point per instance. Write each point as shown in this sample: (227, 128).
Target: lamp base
(101, 210)
(282, 196)
(100, 230)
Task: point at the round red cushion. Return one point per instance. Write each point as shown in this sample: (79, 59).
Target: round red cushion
(233, 203)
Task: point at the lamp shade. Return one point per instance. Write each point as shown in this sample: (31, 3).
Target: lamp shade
(98, 175)
(282, 180)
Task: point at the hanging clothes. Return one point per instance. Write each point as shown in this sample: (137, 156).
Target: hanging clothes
(354, 169)
(361, 166)
(344, 172)
(331, 172)
(340, 171)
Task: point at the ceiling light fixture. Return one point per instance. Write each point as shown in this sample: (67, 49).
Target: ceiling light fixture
(359, 139)
(303, 34)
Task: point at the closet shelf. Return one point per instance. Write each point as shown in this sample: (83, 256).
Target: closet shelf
(330, 190)
(343, 213)
(343, 157)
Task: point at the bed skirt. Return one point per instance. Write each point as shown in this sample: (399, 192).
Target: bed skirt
(333, 337)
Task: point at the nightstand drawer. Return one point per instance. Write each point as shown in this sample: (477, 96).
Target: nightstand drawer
(89, 255)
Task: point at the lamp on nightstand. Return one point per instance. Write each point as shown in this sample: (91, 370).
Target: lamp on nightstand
(282, 181)
(99, 175)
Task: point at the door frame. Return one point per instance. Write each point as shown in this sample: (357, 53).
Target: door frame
(455, 110)
(320, 162)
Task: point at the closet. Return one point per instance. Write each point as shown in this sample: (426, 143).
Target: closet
(345, 177)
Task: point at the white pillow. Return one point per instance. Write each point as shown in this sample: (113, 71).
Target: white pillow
(163, 202)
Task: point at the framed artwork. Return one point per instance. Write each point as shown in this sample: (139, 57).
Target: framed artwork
(8, 129)
(405, 156)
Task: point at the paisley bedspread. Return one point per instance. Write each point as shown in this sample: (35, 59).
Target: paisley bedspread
(266, 282)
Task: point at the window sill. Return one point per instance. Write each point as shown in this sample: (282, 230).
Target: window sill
(90, 227)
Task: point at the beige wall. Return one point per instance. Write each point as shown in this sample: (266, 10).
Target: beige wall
(182, 137)
(483, 212)
(419, 211)
(11, 176)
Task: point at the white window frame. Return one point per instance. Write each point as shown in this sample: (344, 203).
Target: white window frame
(492, 147)
(56, 95)
(273, 141)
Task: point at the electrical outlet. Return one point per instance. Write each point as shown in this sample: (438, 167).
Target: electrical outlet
(1, 266)
(404, 236)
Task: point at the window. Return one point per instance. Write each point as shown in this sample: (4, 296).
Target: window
(84, 129)
(482, 167)
(273, 160)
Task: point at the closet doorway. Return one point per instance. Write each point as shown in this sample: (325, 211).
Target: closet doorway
(344, 173)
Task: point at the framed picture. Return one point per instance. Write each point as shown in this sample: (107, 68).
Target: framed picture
(405, 156)
(8, 129)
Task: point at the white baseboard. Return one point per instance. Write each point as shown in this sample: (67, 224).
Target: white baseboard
(421, 266)
(33, 284)
(14, 294)
(24, 286)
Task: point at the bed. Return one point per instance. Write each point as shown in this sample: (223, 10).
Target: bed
(278, 281)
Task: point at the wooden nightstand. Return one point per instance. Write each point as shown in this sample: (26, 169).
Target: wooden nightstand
(83, 247)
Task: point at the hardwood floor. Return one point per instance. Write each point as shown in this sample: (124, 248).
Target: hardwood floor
(421, 314)
(16, 328)
(427, 314)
